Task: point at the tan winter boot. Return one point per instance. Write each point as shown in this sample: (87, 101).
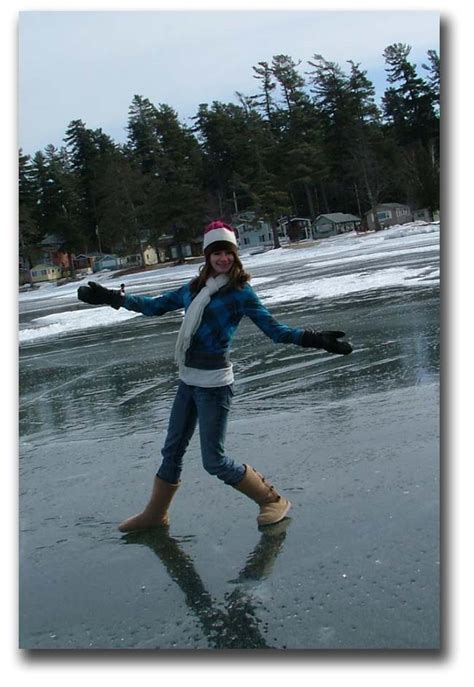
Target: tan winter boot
(155, 513)
(273, 507)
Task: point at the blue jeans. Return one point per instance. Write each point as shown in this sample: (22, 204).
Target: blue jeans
(210, 407)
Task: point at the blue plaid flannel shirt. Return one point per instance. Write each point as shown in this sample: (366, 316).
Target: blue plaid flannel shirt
(221, 316)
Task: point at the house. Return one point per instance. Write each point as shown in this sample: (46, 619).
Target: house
(84, 262)
(334, 223)
(53, 251)
(294, 228)
(389, 214)
(45, 272)
(425, 215)
(24, 270)
(169, 248)
(150, 256)
(132, 260)
(107, 262)
(252, 232)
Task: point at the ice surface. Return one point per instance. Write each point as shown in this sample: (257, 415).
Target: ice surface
(353, 441)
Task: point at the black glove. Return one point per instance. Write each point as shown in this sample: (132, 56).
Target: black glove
(327, 340)
(95, 294)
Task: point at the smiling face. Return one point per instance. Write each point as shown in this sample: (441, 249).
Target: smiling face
(221, 261)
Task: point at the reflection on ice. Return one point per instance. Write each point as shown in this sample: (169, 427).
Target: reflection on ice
(235, 623)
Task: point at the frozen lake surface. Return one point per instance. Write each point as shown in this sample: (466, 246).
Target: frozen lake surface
(353, 441)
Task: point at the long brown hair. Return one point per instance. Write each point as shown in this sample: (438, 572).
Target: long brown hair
(238, 277)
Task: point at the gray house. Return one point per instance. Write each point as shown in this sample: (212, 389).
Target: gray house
(107, 262)
(334, 223)
(425, 215)
(389, 214)
(170, 249)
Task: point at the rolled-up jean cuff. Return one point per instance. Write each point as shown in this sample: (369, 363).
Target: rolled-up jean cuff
(170, 476)
(240, 469)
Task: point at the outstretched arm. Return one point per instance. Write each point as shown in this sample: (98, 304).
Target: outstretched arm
(258, 313)
(281, 333)
(95, 294)
(170, 300)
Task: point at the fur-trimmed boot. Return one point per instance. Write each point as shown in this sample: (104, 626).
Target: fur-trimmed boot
(155, 513)
(273, 507)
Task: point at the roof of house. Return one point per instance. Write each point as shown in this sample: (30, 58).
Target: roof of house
(169, 240)
(391, 205)
(339, 217)
(54, 240)
(387, 206)
(244, 216)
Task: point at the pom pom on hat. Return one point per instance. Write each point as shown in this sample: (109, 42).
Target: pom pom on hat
(218, 231)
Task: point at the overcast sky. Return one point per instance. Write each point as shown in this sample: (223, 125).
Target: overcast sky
(89, 65)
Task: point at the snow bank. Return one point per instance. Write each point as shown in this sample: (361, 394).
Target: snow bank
(343, 285)
(73, 321)
(412, 229)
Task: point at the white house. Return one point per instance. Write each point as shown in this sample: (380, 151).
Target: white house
(150, 256)
(43, 272)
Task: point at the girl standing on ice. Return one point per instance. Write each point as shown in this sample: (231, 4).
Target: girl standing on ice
(214, 302)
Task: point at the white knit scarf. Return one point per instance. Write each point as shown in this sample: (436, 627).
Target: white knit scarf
(193, 316)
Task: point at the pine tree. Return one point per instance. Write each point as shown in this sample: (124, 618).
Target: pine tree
(339, 111)
(49, 179)
(88, 151)
(170, 160)
(409, 109)
(410, 104)
(365, 141)
(118, 194)
(291, 83)
(29, 233)
(180, 170)
(232, 140)
(265, 75)
(434, 76)
(142, 139)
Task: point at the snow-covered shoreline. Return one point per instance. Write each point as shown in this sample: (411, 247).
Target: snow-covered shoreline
(342, 251)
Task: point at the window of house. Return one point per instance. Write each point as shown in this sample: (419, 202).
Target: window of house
(246, 241)
(383, 215)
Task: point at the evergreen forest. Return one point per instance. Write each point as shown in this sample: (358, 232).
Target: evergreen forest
(310, 140)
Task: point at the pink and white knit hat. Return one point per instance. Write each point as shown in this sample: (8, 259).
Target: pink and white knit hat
(218, 231)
